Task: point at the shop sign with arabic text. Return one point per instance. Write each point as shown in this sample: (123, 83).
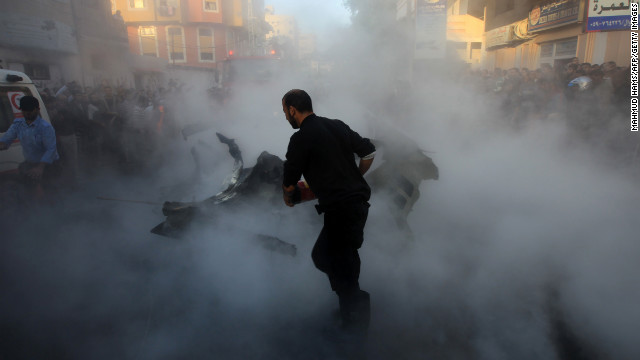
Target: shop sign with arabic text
(605, 15)
(499, 36)
(554, 14)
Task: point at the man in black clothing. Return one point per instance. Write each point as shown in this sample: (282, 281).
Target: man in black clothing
(323, 151)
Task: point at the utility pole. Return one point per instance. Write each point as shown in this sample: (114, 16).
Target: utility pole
(173, 50)
(252, 30)
(78, 30)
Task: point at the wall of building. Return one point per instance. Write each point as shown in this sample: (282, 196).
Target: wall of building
(466, 32)
(504, 12)
(65, 40)
(196, 12)
(53, 10)
(283, 25)
(593, 47)
(232, 14)
(190, 44)
(130, 14)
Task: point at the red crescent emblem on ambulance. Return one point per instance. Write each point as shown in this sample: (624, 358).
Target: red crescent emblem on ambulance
(14, 100)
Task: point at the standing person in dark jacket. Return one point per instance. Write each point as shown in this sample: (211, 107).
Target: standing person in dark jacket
(323, 151)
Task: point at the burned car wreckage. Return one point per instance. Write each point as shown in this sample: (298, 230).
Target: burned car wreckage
(404, 166)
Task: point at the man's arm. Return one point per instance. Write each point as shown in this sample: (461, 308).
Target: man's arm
(49, 142)
(287, 194)
(365, 164)
(8, 137)
(365, 149)
(296, 158)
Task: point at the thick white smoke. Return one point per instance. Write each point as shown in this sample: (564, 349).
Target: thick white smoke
(525, 248)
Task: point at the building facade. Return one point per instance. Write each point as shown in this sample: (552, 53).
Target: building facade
(443, 30)
(187, 33)
(246, 27)
(529, 33)
(283, 34)
(192, 33)
(55, 42)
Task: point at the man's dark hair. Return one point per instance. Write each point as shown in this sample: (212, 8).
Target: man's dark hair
(29, 103)
(299, 99)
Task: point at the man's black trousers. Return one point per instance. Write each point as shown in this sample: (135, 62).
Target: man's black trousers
(336, 250)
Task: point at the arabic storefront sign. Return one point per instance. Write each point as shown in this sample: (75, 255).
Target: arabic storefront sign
(431, 29)
(554, 14)
(499, 36)
(604, 15)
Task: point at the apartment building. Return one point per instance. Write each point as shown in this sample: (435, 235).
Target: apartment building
(187, 33)
(443, 30)
(192, 34)
(246, 27)
(283, 34)
(55, 42)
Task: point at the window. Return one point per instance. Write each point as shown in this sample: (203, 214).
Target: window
(558, 53)
(167, 8)
(567, 48)
(474, 50)
(210, 5)
(148, 41)
(175, 44)
(205, 44)
(137, 4)
(559, 49)
(37, 71)
(546, 50)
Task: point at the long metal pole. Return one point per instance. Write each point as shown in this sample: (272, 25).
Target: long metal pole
(74, 14)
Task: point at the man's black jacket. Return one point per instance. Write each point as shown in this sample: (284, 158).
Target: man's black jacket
(323, 151)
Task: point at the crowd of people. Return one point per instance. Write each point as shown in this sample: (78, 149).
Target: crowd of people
(103, 127)
(120, 128)
(552, 90)
(593, 99)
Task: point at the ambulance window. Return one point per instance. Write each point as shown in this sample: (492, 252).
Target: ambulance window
(7, 112)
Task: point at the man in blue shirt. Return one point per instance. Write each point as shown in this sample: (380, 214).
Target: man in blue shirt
(37, 137)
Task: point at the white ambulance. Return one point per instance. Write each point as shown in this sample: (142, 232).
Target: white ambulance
(13, 86)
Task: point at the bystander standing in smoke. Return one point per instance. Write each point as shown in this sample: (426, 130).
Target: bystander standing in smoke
(118, 17)
(63, 121)
(323, 151)
(603, 90)
(510, 94)
(138, 132)
(586, 68)
(570, 73)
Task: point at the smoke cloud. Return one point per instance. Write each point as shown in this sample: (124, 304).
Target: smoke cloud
(525, 248)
